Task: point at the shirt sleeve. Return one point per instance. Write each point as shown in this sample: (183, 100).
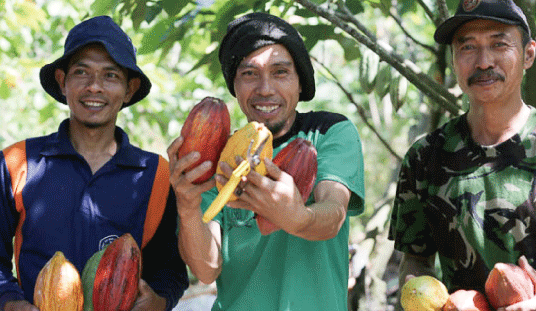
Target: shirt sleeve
(408, 227)
(9, 288)
(163, 268)
(340, 159)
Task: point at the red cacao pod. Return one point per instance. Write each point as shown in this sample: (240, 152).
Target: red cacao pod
(298, 159)
(467, 300)
(508, 284)
(117, 276)
(206, 131)
(58, 286)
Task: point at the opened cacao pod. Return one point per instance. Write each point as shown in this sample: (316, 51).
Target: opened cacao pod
(238, 144)
(206, 131)
(58, 286)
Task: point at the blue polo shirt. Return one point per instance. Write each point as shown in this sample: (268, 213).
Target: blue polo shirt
(51, 201)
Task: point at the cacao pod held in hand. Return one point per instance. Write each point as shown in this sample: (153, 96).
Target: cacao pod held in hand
(508, 284)
(423, 293)
(118, 275)
(467, 300)
(298, 159)
(58, 286)
(238, 145)
(206, 131)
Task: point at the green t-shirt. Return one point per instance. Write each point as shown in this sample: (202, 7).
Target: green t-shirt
(280, 271)
(472, 205)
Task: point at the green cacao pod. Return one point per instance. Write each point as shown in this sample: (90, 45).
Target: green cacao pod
(88, 278)
(368, 69)
(398, 90)
(383, 81)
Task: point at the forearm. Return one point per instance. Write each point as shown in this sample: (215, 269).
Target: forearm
(200, 245)
(323, 219)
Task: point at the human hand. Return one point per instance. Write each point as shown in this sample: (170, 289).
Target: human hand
(19, 305)
(274, 196)
(148, 299)
(527, 305)
(188, 194)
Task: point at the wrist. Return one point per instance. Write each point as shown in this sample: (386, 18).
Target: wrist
(305, 220)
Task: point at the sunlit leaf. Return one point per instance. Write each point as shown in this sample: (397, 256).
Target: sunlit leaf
(173, 7)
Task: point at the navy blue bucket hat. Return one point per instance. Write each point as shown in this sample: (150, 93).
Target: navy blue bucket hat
(502, 11)
(100, 29)
(256, 30)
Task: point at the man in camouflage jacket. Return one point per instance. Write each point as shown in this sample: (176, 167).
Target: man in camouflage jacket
(466, 191)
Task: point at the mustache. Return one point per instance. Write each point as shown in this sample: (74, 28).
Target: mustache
(484, 74)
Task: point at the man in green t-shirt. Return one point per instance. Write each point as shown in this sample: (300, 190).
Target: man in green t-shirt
(466, 191)
(303, 266)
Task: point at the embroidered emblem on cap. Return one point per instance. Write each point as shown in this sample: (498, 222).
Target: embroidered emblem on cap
(469, 5)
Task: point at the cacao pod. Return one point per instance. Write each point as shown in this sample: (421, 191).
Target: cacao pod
(423, 293)
(88, 278)
(298, 159)
(398, 90)
(383, 81)
(508, 284)
(206, 131)
(368, 69)
(238, 145)
(58, 286)
(118, 275)
(467, 300)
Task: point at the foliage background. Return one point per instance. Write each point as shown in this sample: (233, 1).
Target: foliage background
(364, 53)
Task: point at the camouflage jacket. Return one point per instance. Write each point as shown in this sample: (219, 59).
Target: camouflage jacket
(470, 204)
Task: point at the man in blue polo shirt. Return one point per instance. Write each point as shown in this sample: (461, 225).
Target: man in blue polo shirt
(80, 188)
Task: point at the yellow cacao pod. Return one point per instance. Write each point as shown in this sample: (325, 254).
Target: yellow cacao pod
(238, 145)
(58, 286)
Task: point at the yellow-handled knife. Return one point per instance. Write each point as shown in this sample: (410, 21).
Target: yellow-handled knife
(251, 161)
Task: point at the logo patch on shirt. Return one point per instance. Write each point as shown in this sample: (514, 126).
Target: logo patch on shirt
(106, 241)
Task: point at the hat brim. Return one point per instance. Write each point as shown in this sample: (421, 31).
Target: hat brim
(51, 86)
(445, 32)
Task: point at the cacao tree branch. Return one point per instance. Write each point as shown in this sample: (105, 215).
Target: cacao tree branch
(360, 110)
(437, 93)
(398, 20)
(427, 10)
(443, 12)
(346, 15)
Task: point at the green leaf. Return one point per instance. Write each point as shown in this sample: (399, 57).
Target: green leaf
(452, 5)
(212, 57)
(138, 15)
(154, 37)
(174, 7)
(102, 7)
(355, 6)
(313, 33)
(351, 51)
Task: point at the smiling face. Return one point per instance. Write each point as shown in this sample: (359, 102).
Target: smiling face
(267, 87)
(95, 87)
(489, 60)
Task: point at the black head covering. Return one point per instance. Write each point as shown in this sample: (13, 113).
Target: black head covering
(256, 30)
